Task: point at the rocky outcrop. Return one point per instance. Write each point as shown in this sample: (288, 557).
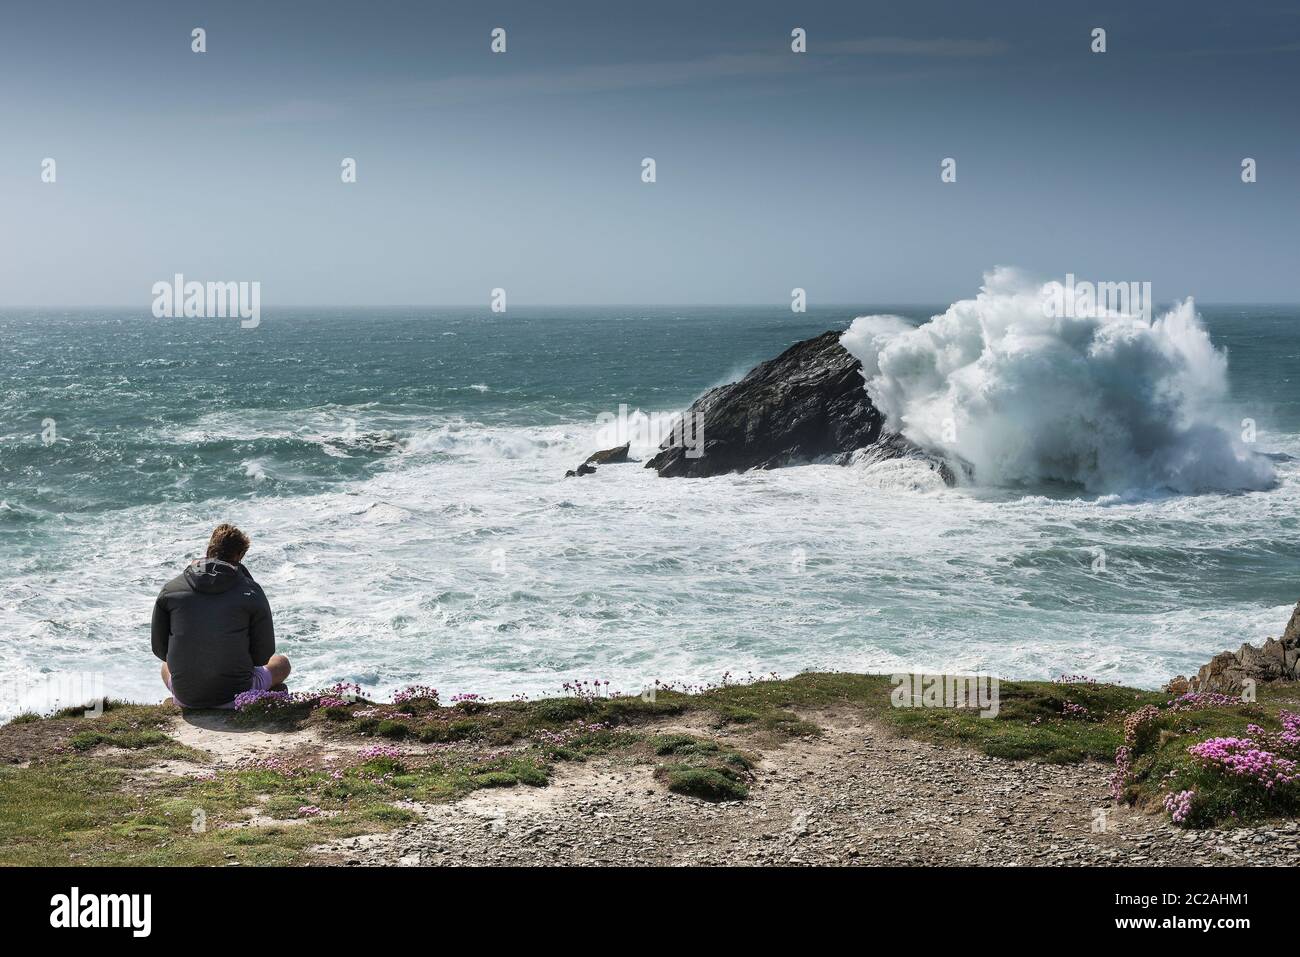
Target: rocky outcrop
(603, 457)
(609, 456)
(1278, 659)
(806, 405)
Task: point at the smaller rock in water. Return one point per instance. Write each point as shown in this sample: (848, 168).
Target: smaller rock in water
(609, 456)
(604, 457)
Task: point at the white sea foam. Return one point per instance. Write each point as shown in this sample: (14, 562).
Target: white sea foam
(489, 572)
(1108, 402)
(475, 441)
(907, 474)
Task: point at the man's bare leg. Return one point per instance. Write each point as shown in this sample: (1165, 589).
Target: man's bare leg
(279, 667)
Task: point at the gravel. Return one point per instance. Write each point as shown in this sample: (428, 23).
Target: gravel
(855, 796)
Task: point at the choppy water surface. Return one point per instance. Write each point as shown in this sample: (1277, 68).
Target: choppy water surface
(401, 473)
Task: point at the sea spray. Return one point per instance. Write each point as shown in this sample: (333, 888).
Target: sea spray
(1107, 401)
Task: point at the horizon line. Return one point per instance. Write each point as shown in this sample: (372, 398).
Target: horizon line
(608, 305)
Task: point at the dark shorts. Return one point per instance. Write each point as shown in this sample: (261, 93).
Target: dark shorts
(261, 682)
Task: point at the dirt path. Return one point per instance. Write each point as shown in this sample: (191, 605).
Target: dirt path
(854, 796)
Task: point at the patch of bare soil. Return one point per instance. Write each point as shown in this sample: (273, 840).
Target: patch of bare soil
(21, 742)
(225, 744)
(216, 734)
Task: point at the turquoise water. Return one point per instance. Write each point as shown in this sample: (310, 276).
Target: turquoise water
(401, 474)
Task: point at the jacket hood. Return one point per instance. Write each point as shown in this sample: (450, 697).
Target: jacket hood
(212, 576)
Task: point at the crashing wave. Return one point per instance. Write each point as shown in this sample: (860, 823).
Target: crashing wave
(1109, 402)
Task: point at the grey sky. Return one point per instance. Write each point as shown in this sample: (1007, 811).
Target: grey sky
(522, 170)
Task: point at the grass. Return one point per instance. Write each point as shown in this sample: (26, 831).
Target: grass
(85, 740)
(1029, 724)
(129, 727)
(703, 768)
(75, 810)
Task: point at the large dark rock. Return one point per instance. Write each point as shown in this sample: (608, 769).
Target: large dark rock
(808, 404)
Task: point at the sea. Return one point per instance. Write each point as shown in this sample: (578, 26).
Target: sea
(401, 472)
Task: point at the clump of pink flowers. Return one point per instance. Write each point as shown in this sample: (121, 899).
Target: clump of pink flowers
(1133, 723)
(1123, 768)
(1244, 758)
(1179, 805)
(1289, 736)
(338, 695)
(1262, 763)
(1076, 711)
(467, 698)
(1264, 760)
(269, 700)
(1267, 758)
(416, 693)
(1124, 754)
(587, 689)
(1074, 680)
(309, 810)
(565, 735)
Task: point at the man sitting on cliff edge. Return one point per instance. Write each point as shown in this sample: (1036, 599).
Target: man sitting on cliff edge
(212, 629)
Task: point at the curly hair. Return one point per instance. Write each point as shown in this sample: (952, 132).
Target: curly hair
(227, 543)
